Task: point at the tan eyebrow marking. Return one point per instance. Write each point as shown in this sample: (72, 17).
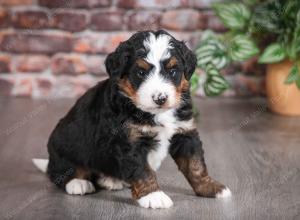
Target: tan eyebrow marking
(143, 64)
(172, 62)
(127, 88)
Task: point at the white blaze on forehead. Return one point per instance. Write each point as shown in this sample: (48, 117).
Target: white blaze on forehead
(155, 84)
(158, 47)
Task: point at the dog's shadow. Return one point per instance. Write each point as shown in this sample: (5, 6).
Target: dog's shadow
(125, 198)
(177, 190)
(115, 196)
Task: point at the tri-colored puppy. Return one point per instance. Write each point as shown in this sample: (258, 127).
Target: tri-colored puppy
(120, 131)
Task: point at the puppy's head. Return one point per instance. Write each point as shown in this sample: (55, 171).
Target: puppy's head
(152, 69)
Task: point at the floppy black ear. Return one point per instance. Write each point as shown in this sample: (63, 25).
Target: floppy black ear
(117, 61)
(189, 59)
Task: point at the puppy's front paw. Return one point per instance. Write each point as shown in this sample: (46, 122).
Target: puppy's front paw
(155, 200)
(212, 188)
(79, 187)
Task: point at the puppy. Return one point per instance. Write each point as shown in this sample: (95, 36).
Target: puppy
(119, 132)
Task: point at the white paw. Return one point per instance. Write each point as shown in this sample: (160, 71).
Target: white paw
(224, 193)
(110, 183)
(155, 200)
(79, 187)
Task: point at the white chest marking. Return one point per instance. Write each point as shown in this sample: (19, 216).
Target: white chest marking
(169, 126)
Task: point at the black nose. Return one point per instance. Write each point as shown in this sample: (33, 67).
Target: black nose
(160, 99)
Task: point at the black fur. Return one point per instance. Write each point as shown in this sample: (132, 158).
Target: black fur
(189, 60)
(92, 135)
(186, 144)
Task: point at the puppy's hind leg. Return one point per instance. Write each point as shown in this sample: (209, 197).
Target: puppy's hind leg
(79, 187)
(80, 184)
(74, 180)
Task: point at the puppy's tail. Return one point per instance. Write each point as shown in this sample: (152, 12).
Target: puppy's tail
(41, 164)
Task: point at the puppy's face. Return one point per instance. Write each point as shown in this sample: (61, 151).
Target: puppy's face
(155, 69)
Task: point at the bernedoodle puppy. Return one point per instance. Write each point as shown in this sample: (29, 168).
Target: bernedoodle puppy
(120, 131)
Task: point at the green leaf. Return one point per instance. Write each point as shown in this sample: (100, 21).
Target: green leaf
(211, 51)
(194, 82)
(242, 48)
(233, 15)
(250, 2)
(296, 38)
(267, 17)
(215, 83)
(210, 91)
(273, 54)
(211, 70)
(293, 76)
(298, 83)
(208, 35)
(220, 61)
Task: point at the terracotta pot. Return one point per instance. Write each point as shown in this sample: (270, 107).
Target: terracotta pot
(282, 98)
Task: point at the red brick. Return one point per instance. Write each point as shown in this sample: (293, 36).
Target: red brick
(99, 43)
(83, 44)
(64, 3)
(30, 18)
(47, 42)
(249, 85)
(73, 86)
(202, 4)
(44, 87)
(127, 3)
(190, 38)
(4, 18)
(68, 64)
(5, 64)
(5, 87)
(185, 19)
(231, 69)
(23, 87)
(143, 20)
(44, 83)
(252, 67)
(99, 3)
(74, 3)
(16, 2)
(95, 64)
(83, 83)
(152, 3)
(107, 20)
(212, 22)
(193, 39)
(31, 63)
(70, 20)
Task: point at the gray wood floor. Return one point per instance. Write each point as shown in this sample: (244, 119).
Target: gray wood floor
(255, 153)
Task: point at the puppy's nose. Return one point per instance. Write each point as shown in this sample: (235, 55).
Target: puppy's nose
(160, 99)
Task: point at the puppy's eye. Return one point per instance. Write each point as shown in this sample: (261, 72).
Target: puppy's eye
(173, 72)
(141, 73)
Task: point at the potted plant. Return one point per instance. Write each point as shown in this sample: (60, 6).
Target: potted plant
(267, 29)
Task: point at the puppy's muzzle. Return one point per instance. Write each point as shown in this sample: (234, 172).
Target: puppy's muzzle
(160, 98)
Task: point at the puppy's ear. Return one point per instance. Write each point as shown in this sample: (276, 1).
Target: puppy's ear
(189, 59)
(117, 61)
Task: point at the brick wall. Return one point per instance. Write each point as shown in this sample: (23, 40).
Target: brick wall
(56, 48)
